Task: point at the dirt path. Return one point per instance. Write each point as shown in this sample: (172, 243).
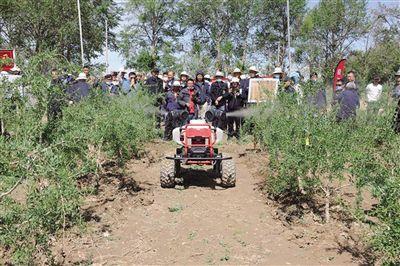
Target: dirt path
(202, 224)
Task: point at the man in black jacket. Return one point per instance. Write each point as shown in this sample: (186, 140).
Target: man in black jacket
(218, 94)
(153, 83)
(79, 90)
(235, 102)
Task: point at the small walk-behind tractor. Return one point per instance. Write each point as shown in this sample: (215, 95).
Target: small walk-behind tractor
(197, 141)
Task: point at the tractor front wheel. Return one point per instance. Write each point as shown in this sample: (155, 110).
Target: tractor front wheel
(168, 174)
(228, 173)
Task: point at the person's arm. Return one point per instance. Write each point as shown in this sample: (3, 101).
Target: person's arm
(181, 101)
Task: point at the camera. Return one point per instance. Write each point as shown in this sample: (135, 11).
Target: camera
(215, 114)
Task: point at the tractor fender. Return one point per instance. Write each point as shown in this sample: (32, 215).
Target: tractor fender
(219, 135)
(176, 135)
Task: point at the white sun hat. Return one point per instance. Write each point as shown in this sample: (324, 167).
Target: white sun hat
(81, 76)
(15, 69)
(237, 70)
(219, 74)
(235, 79)
(253, 68)
(277, 70)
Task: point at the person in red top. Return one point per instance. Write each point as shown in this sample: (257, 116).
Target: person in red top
(189, 98)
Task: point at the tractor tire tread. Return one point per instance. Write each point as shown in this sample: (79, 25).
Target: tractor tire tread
(228, 173)
(167, 174)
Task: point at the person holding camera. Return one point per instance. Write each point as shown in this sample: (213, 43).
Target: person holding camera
(235, 102)
(218, 94)
(173, 110)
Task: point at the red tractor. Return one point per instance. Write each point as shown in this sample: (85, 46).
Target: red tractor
(197, 140)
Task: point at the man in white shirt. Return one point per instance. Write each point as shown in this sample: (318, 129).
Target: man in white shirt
(374, 92)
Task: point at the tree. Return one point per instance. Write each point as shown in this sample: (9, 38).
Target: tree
(271, 36)
(382, 49)
(329, 31)
(32, 27)
(154, 25)
(211, 22)
(245, 19)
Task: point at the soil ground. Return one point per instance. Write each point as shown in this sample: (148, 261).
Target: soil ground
(200, 223)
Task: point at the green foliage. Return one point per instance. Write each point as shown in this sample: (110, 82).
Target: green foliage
(382, 60)
(155, 27)
(45, 159)
(271, 26)
(37, 26)
(311, 156)
(328, 32)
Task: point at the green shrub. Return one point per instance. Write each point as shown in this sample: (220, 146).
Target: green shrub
(310, 154)
(47, 158)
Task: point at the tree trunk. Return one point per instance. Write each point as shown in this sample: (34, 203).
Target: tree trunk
(327, 204)
(244, 55)
(300, 185)
(218, 63)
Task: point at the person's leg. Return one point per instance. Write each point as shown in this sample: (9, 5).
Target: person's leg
(222, 120)
(238, 122)
(168, 127)
(230, 122)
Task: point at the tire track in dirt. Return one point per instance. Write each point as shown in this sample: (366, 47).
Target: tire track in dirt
(202, 224)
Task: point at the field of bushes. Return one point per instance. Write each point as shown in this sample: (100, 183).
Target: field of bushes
(41, 159)
(313, 160)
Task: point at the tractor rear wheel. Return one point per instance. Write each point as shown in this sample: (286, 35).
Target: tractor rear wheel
(228, 173)
(167, 174)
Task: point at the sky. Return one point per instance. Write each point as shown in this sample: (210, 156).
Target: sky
(116, 61)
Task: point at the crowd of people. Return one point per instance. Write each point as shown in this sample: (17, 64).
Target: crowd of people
(183, 98)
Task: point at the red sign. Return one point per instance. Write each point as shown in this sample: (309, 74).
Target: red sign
(340, 71)
(5, 54)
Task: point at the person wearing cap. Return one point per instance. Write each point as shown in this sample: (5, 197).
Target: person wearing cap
(373, 93)
(253, 73)
(124, 83)
(287, 93)
(204, 89)
(235, 102)
(115, 82)
(207, 79)
(184, 78)
(278, 73)
(91, 80)
(189, 98)
(171, 105)
(315, 92)
(153, 83)
(107, 86)
(218, 93)
(170, 80)
(132, 80)
(237, 73)
(348, 99)
(55, 78)
(78, 90)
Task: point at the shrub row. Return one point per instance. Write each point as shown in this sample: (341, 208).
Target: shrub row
(43, 159)
(313, 156)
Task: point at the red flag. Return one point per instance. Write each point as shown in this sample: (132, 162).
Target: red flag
(4, 54)
(340, 71)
